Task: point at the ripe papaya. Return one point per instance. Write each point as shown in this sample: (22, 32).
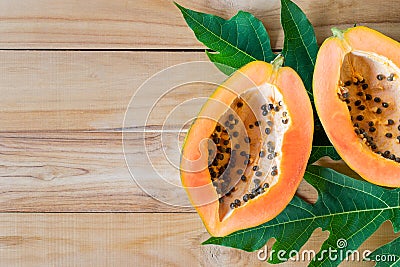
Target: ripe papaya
(246, 153)
(356, 93)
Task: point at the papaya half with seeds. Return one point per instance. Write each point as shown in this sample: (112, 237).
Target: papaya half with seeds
(246, 153)
(356, 92)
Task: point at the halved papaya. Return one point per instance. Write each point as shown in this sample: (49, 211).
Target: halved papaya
(245, 154)
(356, 91)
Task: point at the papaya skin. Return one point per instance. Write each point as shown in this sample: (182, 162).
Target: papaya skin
(296, 148)
(334, 113)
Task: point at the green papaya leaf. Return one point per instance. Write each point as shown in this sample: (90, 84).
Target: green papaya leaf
(318, 152)
(388, 255)
(319, 138)
(300, 50)
(235, 42)
(300, 46)
(351, 210)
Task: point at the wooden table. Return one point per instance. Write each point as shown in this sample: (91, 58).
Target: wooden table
(68, 71)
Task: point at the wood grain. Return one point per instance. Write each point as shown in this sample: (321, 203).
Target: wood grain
(128, 240)
(157, 24)
(60, 90)
(78, 172)
(82, 172)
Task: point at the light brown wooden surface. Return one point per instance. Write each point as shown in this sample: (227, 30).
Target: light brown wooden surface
(72, 176)
(81, 172)
(59, 90)
(157, 24)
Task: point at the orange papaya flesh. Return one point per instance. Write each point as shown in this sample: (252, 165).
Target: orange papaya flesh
(246, 153)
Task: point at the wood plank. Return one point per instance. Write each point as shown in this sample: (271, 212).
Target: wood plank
(78, 172)
(158, 24)
(45, 172)
(129, 240)
(53, 91)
